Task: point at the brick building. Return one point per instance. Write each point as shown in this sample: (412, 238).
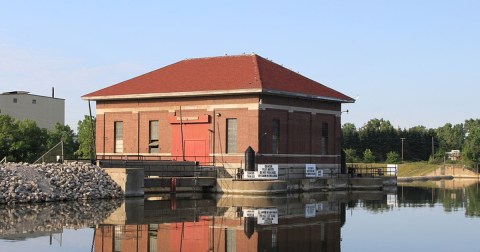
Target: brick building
(211, 109)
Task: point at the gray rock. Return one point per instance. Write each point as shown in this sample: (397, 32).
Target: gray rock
(21, 182)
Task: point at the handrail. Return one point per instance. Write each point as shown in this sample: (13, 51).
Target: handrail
(48, 152)
(4, 160)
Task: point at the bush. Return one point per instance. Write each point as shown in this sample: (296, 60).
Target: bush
(393, 158)
(368, 156)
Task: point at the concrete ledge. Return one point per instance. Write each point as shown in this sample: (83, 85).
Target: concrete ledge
(424, 178)
(131, 180)
(268, 187)
(255, 187)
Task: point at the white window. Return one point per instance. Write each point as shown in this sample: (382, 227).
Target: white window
(118, 138)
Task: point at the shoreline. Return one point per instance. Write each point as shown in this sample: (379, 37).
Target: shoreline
(435, 178)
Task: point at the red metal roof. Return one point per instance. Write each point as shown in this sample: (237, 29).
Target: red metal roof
(225, 74)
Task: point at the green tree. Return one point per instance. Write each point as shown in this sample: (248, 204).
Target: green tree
(393, 157)
(471, 146)
(418, 143)
(29, 142)
(63, 133)
(8, 131)
(85, 138)
(368, 156)
(450, 137)
(350, 138)
(379, 136)
(351, 156)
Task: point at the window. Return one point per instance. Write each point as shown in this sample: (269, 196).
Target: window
(275, 136)
(34, 101)
(324, 141)
(15, 100)
(153, 138)
(118, 138)
(232, 135)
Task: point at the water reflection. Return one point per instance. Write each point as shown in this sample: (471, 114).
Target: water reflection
(306, 222)
(453, 195)
(22, 221)
(201, 222)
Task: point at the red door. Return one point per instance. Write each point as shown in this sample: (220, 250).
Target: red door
(196, 139)
(196, 150)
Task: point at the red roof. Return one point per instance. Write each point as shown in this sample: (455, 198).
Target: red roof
(219, 75)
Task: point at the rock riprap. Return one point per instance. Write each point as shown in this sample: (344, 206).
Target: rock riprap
(22, 182)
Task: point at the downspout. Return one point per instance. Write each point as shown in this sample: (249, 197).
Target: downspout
(138, 135)
(181, 134)
(213, 133)
(104, 132)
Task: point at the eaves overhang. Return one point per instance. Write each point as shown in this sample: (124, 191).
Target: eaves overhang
(172, 94)
(307, 96)
(215, 93)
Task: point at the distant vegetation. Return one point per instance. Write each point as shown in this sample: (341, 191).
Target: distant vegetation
(24, 141)
(379, 141)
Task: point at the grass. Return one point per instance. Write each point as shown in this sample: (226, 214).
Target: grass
(416, 169)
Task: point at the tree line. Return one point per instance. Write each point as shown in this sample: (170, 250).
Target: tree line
(24, 141)
(379, 141)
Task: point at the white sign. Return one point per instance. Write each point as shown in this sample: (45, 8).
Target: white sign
(311, 170)
(392, 169)
(310, 210)
(391, 199)
(249, 175)
(249, 213)
(319, 173)
(267, 216)
(267, 171)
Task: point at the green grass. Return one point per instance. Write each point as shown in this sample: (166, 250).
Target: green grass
(416, 169)
(408, 169)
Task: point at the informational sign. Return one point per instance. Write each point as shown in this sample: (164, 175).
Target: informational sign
(249, 213)
(319, 206)
(392, 169)
(267, 171)
(319, 173)
(249, 175)
(267, 216)
(310, 210)
(311, 170)
(391, 199)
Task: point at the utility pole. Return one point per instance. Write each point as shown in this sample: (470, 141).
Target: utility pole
(433, 150)
(403, 138)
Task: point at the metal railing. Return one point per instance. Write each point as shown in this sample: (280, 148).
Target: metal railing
(202, 160)
(162, 166)
(4, 160)
(55, 154)
(356, 171)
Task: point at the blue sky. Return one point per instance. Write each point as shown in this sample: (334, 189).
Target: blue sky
(409, 62)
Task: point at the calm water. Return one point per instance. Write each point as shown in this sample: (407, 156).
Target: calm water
(441, 216)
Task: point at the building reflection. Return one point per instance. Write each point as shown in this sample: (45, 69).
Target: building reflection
(307, 222)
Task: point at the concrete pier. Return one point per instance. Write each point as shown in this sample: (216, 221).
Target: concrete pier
(270, 187)
(131, 180)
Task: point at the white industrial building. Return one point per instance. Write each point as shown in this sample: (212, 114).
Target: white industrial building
(45, 111)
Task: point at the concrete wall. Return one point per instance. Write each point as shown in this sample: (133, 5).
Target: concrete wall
(269, 187)
(131, 180)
